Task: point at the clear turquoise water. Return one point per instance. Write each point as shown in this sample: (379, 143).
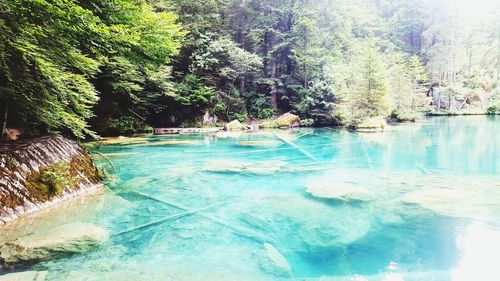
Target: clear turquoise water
(403, 234)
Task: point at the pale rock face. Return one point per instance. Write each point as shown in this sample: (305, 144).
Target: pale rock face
(274, 262)
(338, 191)
(69, 238)
(25, 159)
(234, 125)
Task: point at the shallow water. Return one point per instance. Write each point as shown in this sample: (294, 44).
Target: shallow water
(435, 213)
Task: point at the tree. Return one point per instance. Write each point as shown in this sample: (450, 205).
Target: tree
(370, 90)
(45, 75)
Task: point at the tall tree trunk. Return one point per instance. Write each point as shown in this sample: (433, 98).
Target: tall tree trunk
(306, 81)
(274, 90)
(439, 99)
(242, 84)
(274, 96)
(305, 65)
(5, 115)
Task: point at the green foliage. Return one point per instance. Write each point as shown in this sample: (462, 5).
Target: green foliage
(405, 116)
(306, 122)
(127, 125)
(64, 64)
(317, 102)
(56, 178)
(259, 106)
(56, 56)
(494, 109)
(193, 91)
(51, 180)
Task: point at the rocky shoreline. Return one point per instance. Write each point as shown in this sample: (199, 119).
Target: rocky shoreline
(42, 172)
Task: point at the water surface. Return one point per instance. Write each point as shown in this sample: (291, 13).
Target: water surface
(219, 197)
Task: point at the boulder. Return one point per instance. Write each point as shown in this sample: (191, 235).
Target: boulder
(274, 262)
(234, 126)
(338, 191)
(287, 120)
(25, 276)
(69, 238)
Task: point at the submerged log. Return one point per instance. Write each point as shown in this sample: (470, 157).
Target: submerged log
(241, 231)
(302, 150)
(166, 219)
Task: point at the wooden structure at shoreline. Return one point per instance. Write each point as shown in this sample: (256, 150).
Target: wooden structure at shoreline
(171, 131)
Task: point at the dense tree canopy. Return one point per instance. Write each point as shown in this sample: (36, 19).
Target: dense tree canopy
(118, 66)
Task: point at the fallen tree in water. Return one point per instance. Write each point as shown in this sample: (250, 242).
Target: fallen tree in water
(38, 173)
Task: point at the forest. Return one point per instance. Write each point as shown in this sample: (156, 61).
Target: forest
(111, 67)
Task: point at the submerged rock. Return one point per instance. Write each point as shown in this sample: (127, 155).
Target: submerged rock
(274, 262)
(265, 167)
(69, 238)
(338, 191)
(229, 134)
(170, 143)
(314, 225)
(457, 203)
(224, 166)
(258, 143)
(121, 140)
(227, 166)
(25, 276)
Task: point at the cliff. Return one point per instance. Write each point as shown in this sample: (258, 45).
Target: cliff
(39, 173)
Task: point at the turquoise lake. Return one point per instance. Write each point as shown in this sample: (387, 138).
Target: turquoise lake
(202, 206)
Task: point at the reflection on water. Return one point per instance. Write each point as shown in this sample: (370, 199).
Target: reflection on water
(479, 246)
(417, 202)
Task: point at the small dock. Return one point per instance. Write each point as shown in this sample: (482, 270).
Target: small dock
(173, 131)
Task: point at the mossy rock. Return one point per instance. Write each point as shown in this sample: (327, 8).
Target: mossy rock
(50, 180)
(54, 179)
(287, 120)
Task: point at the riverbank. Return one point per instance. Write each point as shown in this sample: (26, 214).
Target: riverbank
(42, 172)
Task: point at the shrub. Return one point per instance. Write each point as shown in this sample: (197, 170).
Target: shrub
(405, 116)
(127, 125)
(51, 180)
(307, 122)
(494, 109)
(372, 123)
